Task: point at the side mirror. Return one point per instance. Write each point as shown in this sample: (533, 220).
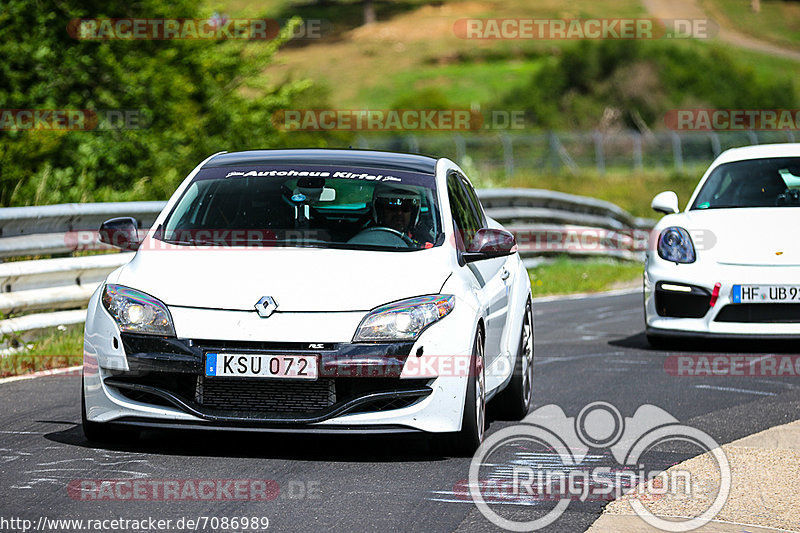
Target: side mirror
(121, 232)
(665, 202)
(489, 243)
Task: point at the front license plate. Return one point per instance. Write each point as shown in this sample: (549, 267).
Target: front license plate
(247, 365)
(765, 293)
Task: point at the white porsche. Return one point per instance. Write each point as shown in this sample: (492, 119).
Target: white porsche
(729, 265)
(312, 291)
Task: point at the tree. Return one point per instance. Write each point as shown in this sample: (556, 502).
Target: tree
(191, 93)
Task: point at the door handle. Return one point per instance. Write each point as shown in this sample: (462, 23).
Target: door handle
(505, 275)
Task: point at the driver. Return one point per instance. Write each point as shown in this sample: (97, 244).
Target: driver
(396, 207)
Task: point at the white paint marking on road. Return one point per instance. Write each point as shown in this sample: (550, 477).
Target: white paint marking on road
(51, 372)
(24, 432)
(753, 362)
(547, 360)
(732, 389)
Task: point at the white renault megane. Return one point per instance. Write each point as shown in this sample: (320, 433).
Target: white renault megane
(312, 290)
(729, 265)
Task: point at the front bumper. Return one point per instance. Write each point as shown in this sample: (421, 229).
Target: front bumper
(353, 378)
(153, 381)
(726, 318)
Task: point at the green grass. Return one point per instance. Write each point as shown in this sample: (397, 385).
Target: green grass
(631, 191)
(778, 22)
(56, 349)
(456, 82)
(569, 276)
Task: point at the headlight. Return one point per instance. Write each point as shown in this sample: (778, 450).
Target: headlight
(404, 320)
(137, 312)
(675, 245)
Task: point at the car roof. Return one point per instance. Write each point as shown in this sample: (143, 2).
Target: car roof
(759, 151)
(348, 158)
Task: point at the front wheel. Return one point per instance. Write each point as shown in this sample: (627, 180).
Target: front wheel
(473, 422)
(515, 400)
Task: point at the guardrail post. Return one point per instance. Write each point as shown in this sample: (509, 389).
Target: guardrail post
(637, 151)
(508, 154)
(552, 151)
(677, 150)
(715, 147)
(461, 148)
(599, 153)
(413, 144)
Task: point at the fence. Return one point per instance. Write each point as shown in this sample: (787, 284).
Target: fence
(51, 292)
(508, 153)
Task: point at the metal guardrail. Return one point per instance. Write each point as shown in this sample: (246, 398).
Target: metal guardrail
(50, 292)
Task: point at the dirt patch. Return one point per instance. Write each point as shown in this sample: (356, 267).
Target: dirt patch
(421, 24)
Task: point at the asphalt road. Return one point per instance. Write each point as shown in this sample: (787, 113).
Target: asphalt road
(586, 350)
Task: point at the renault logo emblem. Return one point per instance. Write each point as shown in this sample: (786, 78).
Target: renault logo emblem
(266, 306)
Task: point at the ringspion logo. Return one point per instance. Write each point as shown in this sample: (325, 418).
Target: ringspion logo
(566, 471)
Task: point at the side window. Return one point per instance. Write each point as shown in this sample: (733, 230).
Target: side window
(476, 204)
(464, 217)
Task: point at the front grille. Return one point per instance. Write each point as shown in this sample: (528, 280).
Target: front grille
(386, 405)
(268, 396)
(759, 313)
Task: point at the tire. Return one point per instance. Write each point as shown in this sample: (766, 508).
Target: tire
(513, 402)
(473, 422)
(102, 432)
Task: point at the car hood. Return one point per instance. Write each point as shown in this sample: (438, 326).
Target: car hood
(299, 279)
(746, 236)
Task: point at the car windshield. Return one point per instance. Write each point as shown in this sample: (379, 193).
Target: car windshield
(351, 208)
(770, 182)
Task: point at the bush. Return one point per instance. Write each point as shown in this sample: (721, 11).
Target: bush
(639, 79)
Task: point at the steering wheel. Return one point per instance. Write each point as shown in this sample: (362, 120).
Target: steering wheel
(406, 239)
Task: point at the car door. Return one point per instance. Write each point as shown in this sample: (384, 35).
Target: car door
(490, 275)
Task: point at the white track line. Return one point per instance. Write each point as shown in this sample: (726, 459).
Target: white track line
(51, 372)
(731, 389)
